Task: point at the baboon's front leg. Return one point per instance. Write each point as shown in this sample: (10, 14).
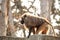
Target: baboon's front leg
(30, 30)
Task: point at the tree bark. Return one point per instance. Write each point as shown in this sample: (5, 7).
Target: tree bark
(2, 19)
(46, 8)
(10, 19)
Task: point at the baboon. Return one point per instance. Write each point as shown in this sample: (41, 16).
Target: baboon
(32, 22)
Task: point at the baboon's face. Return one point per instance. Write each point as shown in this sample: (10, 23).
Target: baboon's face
(22, 19)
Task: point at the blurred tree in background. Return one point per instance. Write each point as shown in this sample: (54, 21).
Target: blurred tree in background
(13, 9)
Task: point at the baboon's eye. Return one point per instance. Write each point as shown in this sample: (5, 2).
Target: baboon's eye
(22, 21)
(24, 16)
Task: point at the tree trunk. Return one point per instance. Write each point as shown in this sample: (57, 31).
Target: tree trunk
(10, 19)
(2, 19)
(46, 8)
